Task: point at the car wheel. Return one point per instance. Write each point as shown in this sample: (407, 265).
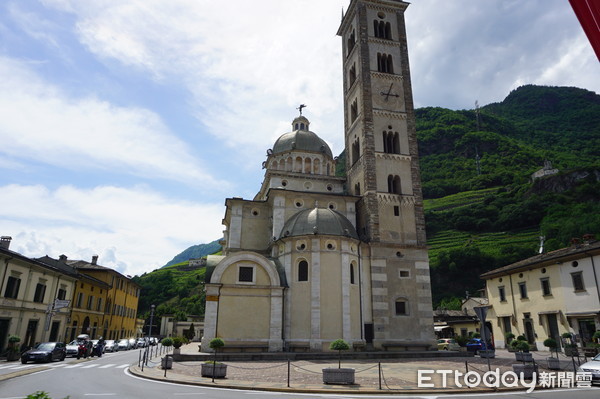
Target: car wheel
(23, 361)
(62, 358)
(446, 348)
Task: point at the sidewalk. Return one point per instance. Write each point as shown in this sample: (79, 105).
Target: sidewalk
(397, 376)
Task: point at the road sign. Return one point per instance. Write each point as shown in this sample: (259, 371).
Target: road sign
(481, 312)
(61, 303)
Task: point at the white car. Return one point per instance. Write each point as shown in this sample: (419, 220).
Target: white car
(142, 343)
(593, 366)
(111, 346)
(124, 344)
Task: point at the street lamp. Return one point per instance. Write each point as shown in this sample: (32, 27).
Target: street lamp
(151, 317)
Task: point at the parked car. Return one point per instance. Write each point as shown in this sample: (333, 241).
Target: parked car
(142, 343)
(476, 345)
(153, 341)
(132, 343)
(124, 344)
(593, 366)
(45, 352)
(111, 346)
(447, 344)
(72, 348)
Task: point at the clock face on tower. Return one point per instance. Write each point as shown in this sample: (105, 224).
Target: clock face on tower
(387, 95)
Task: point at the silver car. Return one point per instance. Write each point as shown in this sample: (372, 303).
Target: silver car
(111, 346)
(124, 344)
(593, 366)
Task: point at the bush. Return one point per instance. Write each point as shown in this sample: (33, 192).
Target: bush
(177, 342)
(216, 343)
(339, 345)
(167, 342)
(461, 341)
(521, 338)
(523, 346)
(14, 339)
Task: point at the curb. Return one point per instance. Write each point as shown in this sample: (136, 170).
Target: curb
(135, 370)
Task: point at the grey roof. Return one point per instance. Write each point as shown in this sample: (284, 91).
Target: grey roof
(560, 255)
(301, 140)
(321, 221)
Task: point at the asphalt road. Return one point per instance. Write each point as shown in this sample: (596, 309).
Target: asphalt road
(107, 377)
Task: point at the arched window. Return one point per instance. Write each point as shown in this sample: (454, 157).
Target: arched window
(355, 150)
(396, 143)
(288, 165)
(394, 184)
(353, 111)
(317, 166)
(298, 166)
(382, 30)
(391, 142)
(385, 63)
(351, 41)
(357, 189)
(352, 277)
(302, 126)
(352, 75)
(303, 271)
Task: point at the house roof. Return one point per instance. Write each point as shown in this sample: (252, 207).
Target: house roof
(560, 255)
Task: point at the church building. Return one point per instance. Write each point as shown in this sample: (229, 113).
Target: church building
(315, 257)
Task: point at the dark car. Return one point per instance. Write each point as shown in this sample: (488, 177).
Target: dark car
(476, 344)
(45, 352)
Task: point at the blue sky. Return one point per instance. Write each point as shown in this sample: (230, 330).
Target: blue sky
(125, 124)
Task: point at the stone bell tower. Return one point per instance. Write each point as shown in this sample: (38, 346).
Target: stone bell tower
(383, 170)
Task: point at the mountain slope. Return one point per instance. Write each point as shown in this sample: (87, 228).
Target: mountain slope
(195, 251)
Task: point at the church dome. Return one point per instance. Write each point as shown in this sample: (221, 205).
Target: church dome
(301, 139)
(318, 221)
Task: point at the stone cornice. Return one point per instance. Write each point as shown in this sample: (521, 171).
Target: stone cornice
(390, 114)
(400, 199)
(393, 157)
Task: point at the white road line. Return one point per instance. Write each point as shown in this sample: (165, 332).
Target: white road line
(122, 366)
(89, 366)
(26, 366)
(106, 366)
(72, 366)
(188, 394)
(58, 365)
(99, 394)
(5, 367)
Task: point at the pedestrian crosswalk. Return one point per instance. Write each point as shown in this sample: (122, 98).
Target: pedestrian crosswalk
(83, 365)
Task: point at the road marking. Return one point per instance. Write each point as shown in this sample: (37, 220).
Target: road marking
(58, 365)
(26, 366)
(122, 366)
(89, 366)
(188, 394)
(5, 367)
(106, 366)
(72, 366)
(99, 394)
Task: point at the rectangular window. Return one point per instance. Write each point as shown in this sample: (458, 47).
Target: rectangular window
(578, 281)
(99, 305)
(79, 300)
(62, 294)
(403, 273)
(401, 308)
(523, 290)
(396, 210)
(90, 303)
(352, 274)
(246, 274)
(12, 287)
(506, 324)
(545, 287)
(502, 294)
(40, 292)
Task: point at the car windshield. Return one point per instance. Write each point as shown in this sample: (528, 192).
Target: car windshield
(597, 358)
(124, 341)
(44, 346)
(73, 343)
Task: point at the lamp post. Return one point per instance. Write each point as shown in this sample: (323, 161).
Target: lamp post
(151, 317)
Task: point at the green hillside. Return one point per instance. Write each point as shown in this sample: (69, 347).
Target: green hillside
(481, 218)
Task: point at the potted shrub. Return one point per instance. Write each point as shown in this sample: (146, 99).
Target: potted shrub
(553, 362)
(462, 342)
(570, 346)
(167, 361)
(13, 352)
(212, 368)
(508, 339)
(177, 342)
(340, 375)
(523, 354)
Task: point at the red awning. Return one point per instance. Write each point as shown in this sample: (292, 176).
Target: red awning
(588, 13)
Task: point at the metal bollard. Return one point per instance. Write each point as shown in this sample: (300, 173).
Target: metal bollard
(288, 374)
(379, 364)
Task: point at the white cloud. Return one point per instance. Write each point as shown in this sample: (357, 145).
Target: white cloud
(38, 122)
(131, 229)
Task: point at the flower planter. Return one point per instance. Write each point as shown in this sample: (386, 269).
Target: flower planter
(219, 370)
(11, 356)
(526, 369)
(553, 363)
(571, 352)
(511, 349)
(343, 376)
(167, 362)
(487, 353)
(524, 356)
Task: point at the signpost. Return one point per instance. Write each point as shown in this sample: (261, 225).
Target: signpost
(52, 308)
(481, 312)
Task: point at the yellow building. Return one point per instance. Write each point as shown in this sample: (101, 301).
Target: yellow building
(121, 303)
(31, 293)
(547, 295)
